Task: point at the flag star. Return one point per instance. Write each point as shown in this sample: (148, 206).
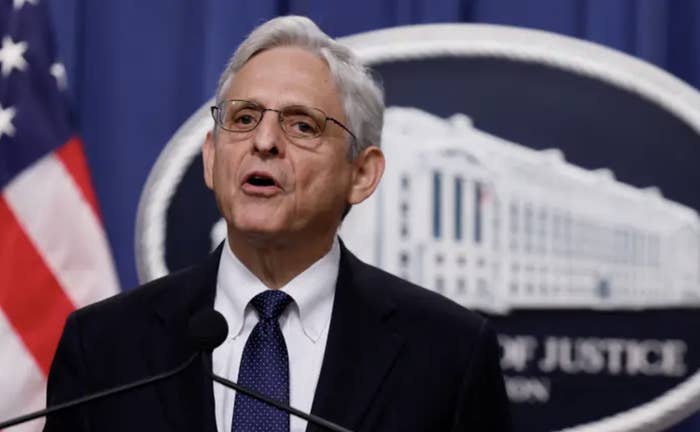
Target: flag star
(11, 55)
(6, 116)
(19, 3)
(59, 72)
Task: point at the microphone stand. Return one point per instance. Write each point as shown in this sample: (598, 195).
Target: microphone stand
(286, 408)
(165, 375)
(99, 395)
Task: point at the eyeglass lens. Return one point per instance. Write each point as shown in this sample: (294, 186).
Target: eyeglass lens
(296, 121)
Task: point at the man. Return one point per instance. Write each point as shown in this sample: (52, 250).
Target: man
(293, 147)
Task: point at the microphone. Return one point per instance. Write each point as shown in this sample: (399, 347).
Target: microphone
(203, 334)
(213, 319)
(206, 330)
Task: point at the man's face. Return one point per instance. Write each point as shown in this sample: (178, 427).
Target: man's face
(305, 190)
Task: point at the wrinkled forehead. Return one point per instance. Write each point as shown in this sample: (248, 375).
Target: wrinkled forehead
(286, 75)
(237, 66)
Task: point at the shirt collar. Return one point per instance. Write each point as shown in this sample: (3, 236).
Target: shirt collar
(312, 290)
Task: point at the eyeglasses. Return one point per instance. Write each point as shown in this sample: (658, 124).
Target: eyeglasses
(301, 124)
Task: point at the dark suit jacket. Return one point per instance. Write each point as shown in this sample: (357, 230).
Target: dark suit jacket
(398, 358)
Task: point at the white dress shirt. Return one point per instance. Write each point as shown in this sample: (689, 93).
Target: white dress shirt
(304, 325)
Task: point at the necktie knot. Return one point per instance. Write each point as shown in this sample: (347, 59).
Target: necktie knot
(271, 303)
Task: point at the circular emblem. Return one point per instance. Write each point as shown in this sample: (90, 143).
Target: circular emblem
(547, 182)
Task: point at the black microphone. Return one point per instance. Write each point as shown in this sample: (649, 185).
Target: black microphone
(206, 330)
(203, 334)
(213, 319)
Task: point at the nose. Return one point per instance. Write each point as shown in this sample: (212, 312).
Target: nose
(268, 136)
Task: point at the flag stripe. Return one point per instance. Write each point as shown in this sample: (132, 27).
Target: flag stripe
(30, 295)
(23, 381)
(72, 156)
(54, 254)
(69, 237)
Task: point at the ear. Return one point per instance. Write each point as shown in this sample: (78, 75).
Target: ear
(208, 153)
(368, 168)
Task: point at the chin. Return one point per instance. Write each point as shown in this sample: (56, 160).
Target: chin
(258, 226)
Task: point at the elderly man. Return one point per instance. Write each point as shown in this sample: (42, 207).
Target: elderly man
(294, 145)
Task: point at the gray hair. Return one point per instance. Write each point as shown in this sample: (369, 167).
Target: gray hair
(362, 97)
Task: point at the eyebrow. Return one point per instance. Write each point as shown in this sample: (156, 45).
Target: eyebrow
(280, 106)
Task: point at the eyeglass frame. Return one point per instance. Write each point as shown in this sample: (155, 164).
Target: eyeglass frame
(216, 111)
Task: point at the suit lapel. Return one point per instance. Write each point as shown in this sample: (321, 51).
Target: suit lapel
(188, 398)
(361, 347)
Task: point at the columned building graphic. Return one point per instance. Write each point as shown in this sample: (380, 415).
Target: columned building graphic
(496, 225)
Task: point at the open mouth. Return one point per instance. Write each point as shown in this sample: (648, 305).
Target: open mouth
(260, 180)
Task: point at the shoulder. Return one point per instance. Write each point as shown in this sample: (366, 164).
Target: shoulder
(418, 309)
(170, 294)
(139, 297)
(432, 327)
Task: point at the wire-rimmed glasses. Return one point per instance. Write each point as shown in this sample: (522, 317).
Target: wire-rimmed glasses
(303, 125)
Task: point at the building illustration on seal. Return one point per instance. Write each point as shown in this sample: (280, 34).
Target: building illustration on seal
(500, 227)
(497, 226)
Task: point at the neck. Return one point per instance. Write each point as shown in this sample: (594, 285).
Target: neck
(276, 263)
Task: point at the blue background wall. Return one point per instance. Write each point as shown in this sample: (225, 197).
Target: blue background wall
(138, 68)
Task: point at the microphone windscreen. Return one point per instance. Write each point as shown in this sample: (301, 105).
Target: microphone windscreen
(206, 330)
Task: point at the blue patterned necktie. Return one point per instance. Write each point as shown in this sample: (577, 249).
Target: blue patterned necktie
(264, 368)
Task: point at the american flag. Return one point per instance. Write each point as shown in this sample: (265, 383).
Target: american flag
(54, 255)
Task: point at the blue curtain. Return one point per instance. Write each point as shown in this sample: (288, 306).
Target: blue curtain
(137, 69)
